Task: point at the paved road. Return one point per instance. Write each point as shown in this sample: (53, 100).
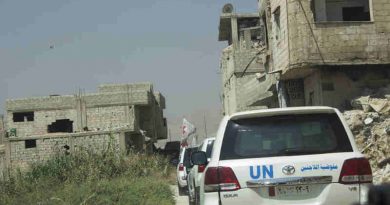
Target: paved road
(180, 200)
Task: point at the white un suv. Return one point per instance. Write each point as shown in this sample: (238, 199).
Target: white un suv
(195, 175)
(295, 156)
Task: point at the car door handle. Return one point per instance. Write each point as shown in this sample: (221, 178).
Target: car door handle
(289, 181)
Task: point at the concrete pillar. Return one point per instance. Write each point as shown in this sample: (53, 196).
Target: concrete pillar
(235, 33)
(78, 123)
(122, 142)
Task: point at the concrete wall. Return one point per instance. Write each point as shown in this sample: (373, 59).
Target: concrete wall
(313, 46)
(49, 146)
(133, 97)
(339, 43)
(339, 86)
(42, 119)
(113, 117)
(243, 74)
(122, 109)
(279, 46)
(112, 108)
(312, 89)
(305, 42)
(229, 100)
(2, 129)
(109, 88)
(334, 7)
(3, 160)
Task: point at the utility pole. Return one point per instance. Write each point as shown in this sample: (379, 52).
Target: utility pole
(205, 126)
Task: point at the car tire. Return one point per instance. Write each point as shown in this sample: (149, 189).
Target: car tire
(197, 196)
(189, 200)
(182, 191)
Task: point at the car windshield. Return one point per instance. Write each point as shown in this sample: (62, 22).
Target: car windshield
(284, 135)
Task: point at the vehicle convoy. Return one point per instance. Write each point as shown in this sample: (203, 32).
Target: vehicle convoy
(183, 168)
(303, 156)
(193, 178)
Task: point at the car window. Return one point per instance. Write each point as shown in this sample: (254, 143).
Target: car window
(284, 135)
(187, 156)
(209, 148)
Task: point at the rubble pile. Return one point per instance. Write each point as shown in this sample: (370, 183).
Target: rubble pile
(370, 123)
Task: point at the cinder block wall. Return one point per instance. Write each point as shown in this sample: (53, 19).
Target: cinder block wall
(279, 46)
(42, 118)
(49, 147)
(3, 161)
(339, 42)
(108, 118)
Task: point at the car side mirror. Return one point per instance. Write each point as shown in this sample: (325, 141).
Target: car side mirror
(199, 158)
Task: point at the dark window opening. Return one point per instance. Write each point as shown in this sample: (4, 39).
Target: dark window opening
(265, 30)
(61, 126)
(328, 87)
(165, 122)
(311, 98)
(30, 144)
(23, 116)
(277, 23)
(250, 32)
(338, 10)
(355, 14)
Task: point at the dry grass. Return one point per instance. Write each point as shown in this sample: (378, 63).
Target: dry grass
(86, 177)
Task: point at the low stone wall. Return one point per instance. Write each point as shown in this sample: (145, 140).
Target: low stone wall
(24, 151)
(2, 160)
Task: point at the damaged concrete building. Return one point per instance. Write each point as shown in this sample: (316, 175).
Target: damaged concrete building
(244, 81)
(308, 52)
(121, 115)
(3, 157)
(327, 52)
(311, 53)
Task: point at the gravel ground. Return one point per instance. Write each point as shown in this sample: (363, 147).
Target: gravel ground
(180, 200)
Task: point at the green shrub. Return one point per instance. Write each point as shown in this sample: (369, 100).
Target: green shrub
(88, 177)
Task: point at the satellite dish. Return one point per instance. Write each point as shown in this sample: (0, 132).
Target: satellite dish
(228, 8)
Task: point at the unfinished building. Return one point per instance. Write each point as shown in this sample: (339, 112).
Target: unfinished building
(327, 52)
(244, 81)
(127, 116)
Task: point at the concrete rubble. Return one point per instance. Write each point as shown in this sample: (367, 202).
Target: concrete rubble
(370, 123)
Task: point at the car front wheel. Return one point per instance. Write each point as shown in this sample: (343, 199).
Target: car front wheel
(197, 196)
(182, 191)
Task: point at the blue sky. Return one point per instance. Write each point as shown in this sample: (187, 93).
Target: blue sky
(171, 43)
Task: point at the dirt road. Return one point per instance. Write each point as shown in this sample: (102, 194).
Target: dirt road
(180, 200)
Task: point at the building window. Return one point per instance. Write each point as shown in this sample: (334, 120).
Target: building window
(277, 24)
(61, 126)
(328, 87)
(342, 10)
(30, 144)
(23, 116)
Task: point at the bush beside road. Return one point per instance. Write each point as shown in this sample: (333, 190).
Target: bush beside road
(86, 177)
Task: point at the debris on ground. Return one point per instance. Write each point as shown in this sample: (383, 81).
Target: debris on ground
(369, 121)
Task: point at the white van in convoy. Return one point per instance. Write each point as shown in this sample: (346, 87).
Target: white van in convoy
(304, 155)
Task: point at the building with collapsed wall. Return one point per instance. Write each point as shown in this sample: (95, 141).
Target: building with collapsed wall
(3, 161)
(244, 81)
(327, 52)
(127, 116)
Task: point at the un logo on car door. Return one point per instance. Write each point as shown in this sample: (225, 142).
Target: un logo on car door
(288, 170)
